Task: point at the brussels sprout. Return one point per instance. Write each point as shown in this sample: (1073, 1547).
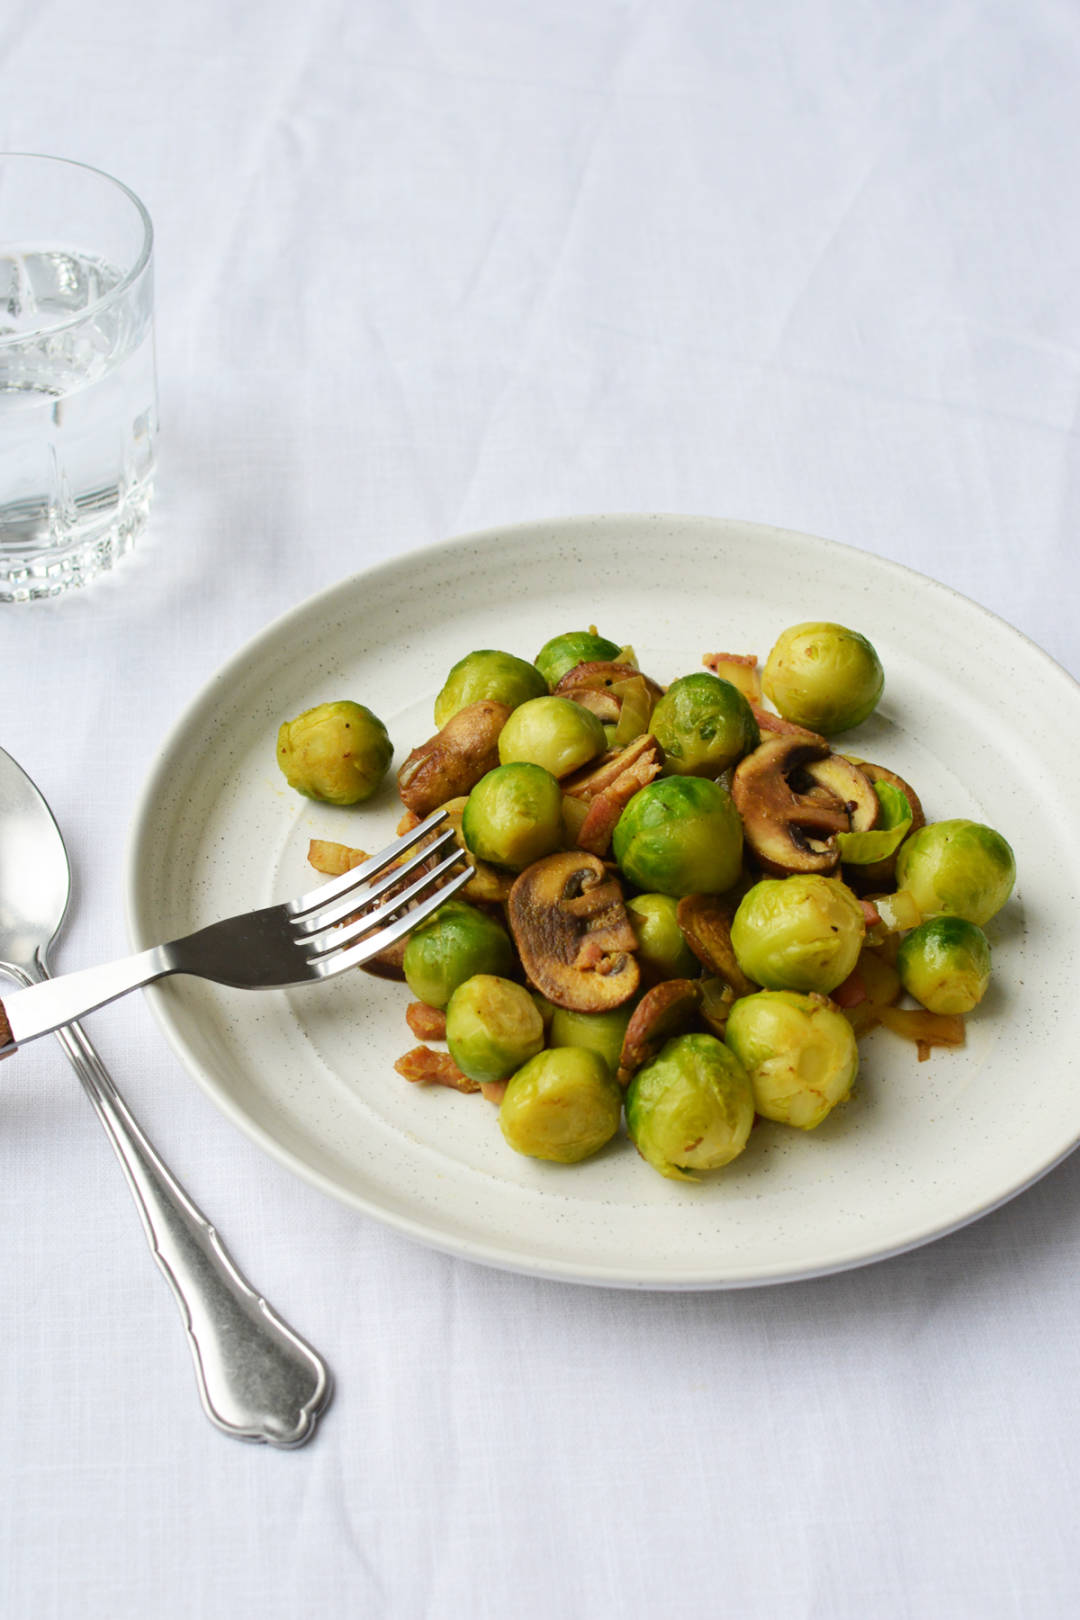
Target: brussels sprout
(824, 677)
(488, 674)
(703, 724)
(691, 1108)
(945, 964)
(680, 835)
(553, 732)
(492, 1027)
(450, 946)
(513, 815)
(600, 1032)
(798, 933)
(957, 869)
(563, 653)
(662, 949)
(562, 1105)
(800, 1053)
(336, 752)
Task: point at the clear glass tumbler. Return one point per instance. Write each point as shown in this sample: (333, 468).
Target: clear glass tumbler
(78, 392)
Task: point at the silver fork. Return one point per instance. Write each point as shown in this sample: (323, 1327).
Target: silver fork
(339, 925)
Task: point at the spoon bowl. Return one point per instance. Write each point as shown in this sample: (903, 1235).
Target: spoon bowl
(35, 875)
(258, 1379)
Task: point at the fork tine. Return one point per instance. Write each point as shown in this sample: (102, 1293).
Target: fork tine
(334, 939)
(344, 906)
(337, 961)
(358, 875)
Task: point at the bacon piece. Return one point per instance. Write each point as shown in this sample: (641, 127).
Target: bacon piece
(871, 914)
(494, 1090)
(608, 804)
(851, 992)
(333, 859)
(424, 1066)
(587, 783)
(427, 1023)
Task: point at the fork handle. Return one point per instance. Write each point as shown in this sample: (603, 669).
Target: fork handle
(44, 1006)
(257, 1378)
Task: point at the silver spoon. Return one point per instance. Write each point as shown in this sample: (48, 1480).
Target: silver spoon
(258, 1380)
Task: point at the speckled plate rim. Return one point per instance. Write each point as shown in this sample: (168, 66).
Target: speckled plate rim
(192, 723)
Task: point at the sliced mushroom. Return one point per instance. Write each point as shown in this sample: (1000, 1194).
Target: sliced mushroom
(573, 935)
(453, 761)
(667, 1009)
(789, 830)
(706, 925)
(844, 781)
(593, 686)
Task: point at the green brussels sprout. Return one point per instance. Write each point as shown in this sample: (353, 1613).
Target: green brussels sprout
(957, 869)
(450, 946)
(945, 964)
(703, 724)
(561, 654)
(513, 816)
(600, 1032)
(498, 676)
(561, 1105)
(824, 677)
(691, 1108)
(798, 933)
(336, 752)
(800, 1053)
(552, 732)
(662, 949)
(493, 1026)
(680, 835)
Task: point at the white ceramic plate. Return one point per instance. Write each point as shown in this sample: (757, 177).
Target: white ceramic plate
(974, 716)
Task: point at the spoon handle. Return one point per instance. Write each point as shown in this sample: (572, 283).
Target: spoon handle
(257, 1378)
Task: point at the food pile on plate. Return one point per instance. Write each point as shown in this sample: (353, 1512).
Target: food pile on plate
(687, 905)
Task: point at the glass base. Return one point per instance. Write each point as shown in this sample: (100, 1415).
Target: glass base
(32, 574)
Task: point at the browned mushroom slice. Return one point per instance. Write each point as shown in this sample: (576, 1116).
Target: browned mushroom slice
(595, 686)
(573, 935)
(788, 831)
(453, 761)
(843, 780)
(667, 1009)
(706, 925)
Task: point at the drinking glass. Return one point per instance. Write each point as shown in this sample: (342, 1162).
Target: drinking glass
(78, 392)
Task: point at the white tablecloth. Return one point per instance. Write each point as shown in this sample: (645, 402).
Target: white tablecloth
(424, 267)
